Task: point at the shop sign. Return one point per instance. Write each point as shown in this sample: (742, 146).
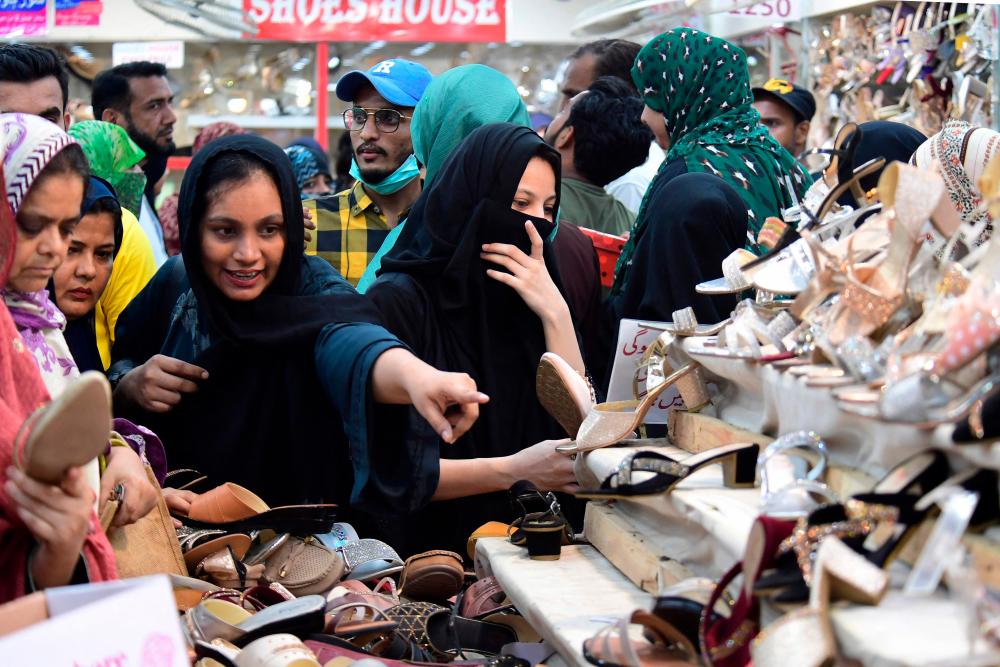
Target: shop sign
(386, 20)
(778, 11)
(78, 12)
(22, 17)
(170, 53)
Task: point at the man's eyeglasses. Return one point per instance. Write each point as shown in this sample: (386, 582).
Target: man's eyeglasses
(386, 120)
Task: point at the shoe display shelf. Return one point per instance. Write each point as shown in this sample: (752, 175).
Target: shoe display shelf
(565, 600)
(568, 600)
(753, 398)
(762, 398)
(638, 547)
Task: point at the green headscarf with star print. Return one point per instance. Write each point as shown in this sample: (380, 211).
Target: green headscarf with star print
(701, 85)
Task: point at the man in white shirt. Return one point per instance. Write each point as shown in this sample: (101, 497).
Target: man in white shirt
(612, 57)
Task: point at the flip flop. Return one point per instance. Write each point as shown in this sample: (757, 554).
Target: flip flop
(279, 650)
(218, 619)
(234, 509)
(68, 432)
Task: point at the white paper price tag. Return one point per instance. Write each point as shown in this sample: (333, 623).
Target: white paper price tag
(944, 543)
(633, 341)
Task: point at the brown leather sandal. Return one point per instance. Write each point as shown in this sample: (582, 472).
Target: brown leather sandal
(432, 576)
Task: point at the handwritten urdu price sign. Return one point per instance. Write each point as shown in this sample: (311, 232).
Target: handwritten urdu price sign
(633, 341)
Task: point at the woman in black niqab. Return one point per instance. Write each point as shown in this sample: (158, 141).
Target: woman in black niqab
(435, 294)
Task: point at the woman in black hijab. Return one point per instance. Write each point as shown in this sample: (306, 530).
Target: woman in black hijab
(258, 365)
(79, 281)
(882, 138)
(441, 293)
(708, 220)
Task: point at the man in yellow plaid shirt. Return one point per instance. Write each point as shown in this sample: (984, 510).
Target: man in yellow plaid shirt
(353, 224)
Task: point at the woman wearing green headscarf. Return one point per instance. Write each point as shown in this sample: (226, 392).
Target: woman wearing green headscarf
(696, 88)
(114, 157)
(453, 105)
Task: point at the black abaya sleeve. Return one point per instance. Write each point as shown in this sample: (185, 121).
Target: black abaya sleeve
(142, 326)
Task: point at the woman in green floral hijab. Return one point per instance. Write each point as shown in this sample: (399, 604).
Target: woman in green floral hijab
(696, 88)
(114, 157)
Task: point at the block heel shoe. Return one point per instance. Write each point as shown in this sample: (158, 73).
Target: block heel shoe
(543, 536)
(739, 469)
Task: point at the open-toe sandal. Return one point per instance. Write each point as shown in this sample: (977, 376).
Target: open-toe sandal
(483, 598)
(359, 621)
(197, 544)
(752, 335)
(563, 392)
(684, 323)
(219, 619)
(234, 509)
(68, 432)
(738, 462)
(610, 423)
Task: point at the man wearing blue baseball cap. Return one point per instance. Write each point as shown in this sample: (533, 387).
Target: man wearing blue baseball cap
(352, 224)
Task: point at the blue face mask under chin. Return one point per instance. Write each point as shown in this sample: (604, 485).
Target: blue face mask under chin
(395, 181)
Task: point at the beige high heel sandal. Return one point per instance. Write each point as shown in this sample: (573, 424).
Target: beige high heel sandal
(657, 364)
(873, 294)
(563, 392)
(804, 637)
(609, 423)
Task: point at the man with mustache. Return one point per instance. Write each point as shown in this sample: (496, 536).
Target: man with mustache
(352, 225)
(137, 97)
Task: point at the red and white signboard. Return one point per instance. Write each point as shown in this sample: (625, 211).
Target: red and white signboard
(387, 20)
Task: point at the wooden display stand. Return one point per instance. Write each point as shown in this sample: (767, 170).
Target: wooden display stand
(635, 553)
(696, 432)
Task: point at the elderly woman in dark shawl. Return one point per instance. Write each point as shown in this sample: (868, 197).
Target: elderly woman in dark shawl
(260, 366)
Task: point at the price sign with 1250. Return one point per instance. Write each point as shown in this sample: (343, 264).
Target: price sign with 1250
(783, 10)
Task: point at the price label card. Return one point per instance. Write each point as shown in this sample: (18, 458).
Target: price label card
(778, 11)
(633, 341)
